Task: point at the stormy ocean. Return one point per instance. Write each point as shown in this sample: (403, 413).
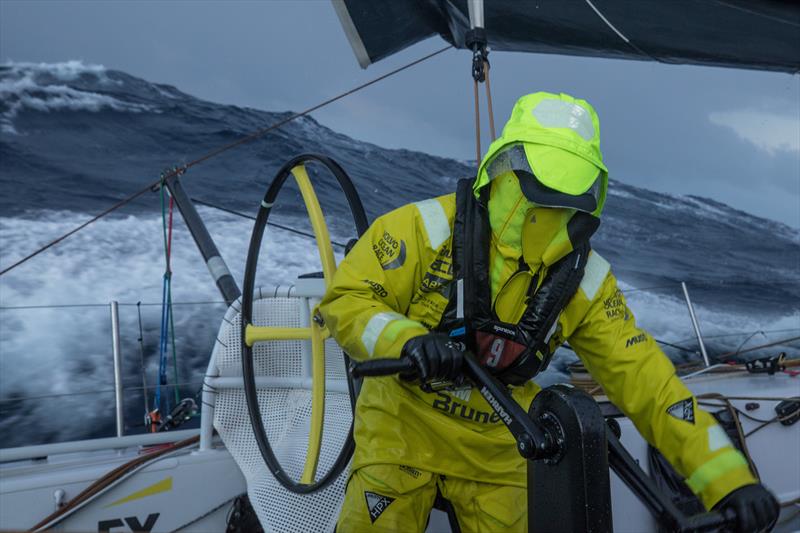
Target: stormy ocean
(76, 138)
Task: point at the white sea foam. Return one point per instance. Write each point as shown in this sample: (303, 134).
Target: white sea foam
(66, 350)
(31, 86)
(54, 350)
(65, 70)
(664, 314)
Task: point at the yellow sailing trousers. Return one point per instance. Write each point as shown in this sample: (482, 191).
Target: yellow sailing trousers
(397, 498)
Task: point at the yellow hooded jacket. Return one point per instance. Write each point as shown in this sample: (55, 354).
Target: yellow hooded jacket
(388, 289)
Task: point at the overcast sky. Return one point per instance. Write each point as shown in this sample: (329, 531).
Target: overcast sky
(732, 135)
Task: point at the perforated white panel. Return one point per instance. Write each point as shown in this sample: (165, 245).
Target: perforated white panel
(286, 413)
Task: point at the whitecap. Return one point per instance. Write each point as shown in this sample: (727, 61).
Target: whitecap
(35, 86)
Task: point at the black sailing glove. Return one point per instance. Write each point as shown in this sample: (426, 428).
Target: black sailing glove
(755, 507)
(435, 356)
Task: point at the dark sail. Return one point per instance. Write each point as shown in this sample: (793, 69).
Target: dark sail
(752, 34)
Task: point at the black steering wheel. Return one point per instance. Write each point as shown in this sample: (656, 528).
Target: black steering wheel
(295, 167)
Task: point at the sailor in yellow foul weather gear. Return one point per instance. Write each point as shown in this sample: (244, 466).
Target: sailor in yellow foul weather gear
(544, 183)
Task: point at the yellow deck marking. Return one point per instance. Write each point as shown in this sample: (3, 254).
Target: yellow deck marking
(162, 486)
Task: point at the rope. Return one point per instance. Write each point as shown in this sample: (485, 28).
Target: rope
(732, 410)
(783, 330)
(739, 348)
(489, 99)
(129, 304)
(169, 297)
(80, 227)
(483, 76)
(776, 343)
(246, 139)
(166, 296)
(207, 513)
(764, 423)
(654, 287)
(109, 479)
(477, 123)
(87, 392)
(671, 345)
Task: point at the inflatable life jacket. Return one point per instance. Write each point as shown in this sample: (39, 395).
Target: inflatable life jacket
(514, 353)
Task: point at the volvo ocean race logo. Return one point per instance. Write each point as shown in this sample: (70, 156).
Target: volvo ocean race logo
(391, 253)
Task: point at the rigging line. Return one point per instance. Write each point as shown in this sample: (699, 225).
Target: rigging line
(748, 338)
(255, 135)
(756, 13)
(489, 99)
(682, 348)
(279, 226)
(54, 306)
(168, 252)
(52, 243)
(477, 123)
(776, 343)
(128, 304)
(636, 289)
(267, 129)
(733, 334)
(207, 513)
(88, 392)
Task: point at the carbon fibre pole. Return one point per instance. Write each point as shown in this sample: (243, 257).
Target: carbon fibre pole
(208, 249)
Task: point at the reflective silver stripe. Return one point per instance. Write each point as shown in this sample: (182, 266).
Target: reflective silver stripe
(717, 439)
(267, 205)
(463, 394)
(217, 267)
(594, 274)
(552, 113)
(552, 329)
(435, 220)
(374, 328)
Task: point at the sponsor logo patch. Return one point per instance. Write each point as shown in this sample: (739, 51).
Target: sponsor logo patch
(501, 329)
(377, 288)
(635, 340)
(615, 306)
(376, 504)
(504, 416)
(413, 472)
(453, 408)
(682, 410)
(433, 283)
(390, 252)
